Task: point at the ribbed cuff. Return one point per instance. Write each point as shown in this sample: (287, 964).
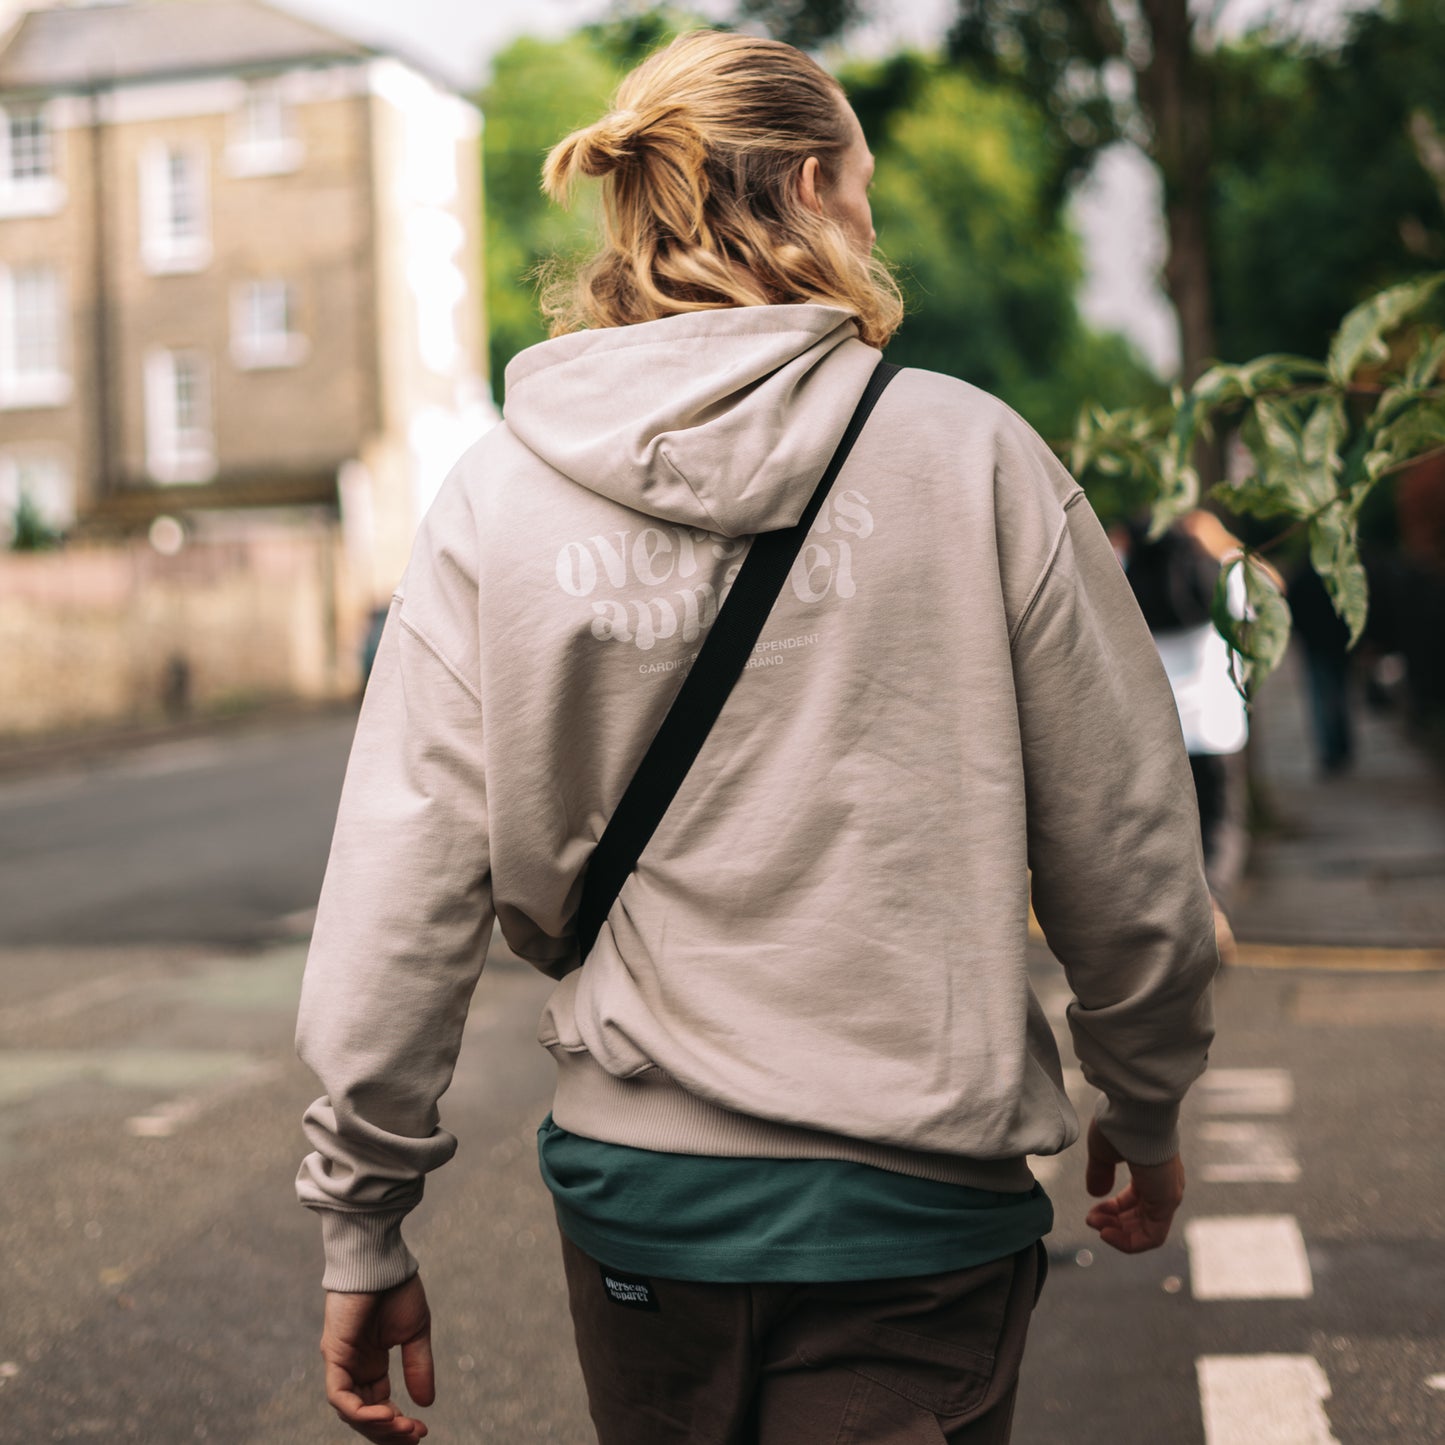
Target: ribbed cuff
(1142, 1133)
(365, 1252)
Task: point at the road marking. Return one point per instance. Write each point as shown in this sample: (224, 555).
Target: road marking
(27, 1072)
(1435, 1382)
(163, 1121)
(1247, 1091)
(1246, 1151)
(1332, 957)
(65, 1002)
(1264, 1400)
(1245, 1256)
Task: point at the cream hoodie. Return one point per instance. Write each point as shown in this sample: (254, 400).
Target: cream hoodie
(822, 951)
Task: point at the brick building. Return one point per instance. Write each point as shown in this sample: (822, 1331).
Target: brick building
(240, 268)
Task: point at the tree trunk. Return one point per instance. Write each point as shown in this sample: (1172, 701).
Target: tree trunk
(1176, 95)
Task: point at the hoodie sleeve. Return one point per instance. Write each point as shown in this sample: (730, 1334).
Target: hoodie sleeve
(1114, 840)
(401, 933)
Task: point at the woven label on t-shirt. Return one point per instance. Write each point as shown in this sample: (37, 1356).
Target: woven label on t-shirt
(629, 1289)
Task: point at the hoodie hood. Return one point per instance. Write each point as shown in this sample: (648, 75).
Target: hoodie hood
(722, 420)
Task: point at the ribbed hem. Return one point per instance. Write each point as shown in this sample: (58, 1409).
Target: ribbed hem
(1142, 1133)
(652, 1111)
(365, 1252)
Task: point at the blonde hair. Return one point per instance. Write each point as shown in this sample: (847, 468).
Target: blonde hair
(699, 161)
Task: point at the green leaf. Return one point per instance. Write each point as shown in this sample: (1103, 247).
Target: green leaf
(1178, 482)
(1335, 555)
(1361, 336)
(1222, 384)
(1425, 366)
(1299, 465)
(1420, 372)
(1250, 497)
(1419, 429)
(1279, 426)
(1262, 635)
(1323, 434)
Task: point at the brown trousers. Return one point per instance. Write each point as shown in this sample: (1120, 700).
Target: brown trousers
(925, 1360)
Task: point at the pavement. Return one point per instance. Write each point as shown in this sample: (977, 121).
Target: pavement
(1301, 1297)
(160, 1284)
(1354, 862)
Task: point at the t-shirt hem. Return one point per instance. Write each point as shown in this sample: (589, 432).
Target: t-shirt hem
(816, 1264)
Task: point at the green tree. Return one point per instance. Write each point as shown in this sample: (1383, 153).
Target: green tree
(28, 529)
(1322, 189)
(963, 208)
(1100, 74)
(805, 23)
(539, 91)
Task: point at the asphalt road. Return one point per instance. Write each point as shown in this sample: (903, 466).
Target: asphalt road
(215, 840)
(159, 1284)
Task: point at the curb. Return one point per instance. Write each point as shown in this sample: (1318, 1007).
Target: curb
(1324, 957)
(30, 759)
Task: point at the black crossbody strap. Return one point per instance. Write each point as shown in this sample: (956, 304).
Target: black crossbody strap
(719, 664)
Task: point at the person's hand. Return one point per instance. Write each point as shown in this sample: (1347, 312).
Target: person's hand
(356, 1341)
(1139, 1216)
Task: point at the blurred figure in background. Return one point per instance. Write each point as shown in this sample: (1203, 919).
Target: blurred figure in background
(1325, 641)
(1173, 580)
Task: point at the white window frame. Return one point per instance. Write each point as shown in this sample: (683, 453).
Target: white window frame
(277, 151)
(33, 195)
(45, 386)
(57, 510)
(259, 347)
(163, 250)
(175, 453)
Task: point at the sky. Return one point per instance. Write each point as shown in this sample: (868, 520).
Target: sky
(460, 36)
(1116, 212)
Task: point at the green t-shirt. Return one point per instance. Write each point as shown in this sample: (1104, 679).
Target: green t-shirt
(755, 1221)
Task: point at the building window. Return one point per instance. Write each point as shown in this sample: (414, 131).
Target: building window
(175, 208)
(30, 158)
(263, 133)
(263, 326)
(44, 483)
(28, 183)
(32, 337)
(180, 437)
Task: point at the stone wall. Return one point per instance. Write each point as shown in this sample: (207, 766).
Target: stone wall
(105, 635)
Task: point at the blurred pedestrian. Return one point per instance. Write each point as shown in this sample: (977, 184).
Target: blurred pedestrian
(1174, 578)
(801, 1069)
(1325, 641)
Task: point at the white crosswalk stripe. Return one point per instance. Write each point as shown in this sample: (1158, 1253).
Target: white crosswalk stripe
(1246, 1151)
(1248, 1256)
(1264, 1400)
(1247, 1091)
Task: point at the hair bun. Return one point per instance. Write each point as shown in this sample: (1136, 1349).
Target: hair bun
(608, 144)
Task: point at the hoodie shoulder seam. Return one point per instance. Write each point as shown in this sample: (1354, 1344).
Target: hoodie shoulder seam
(441, 657)
(1037, 590)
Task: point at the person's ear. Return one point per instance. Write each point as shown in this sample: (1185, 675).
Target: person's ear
(808, 185)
